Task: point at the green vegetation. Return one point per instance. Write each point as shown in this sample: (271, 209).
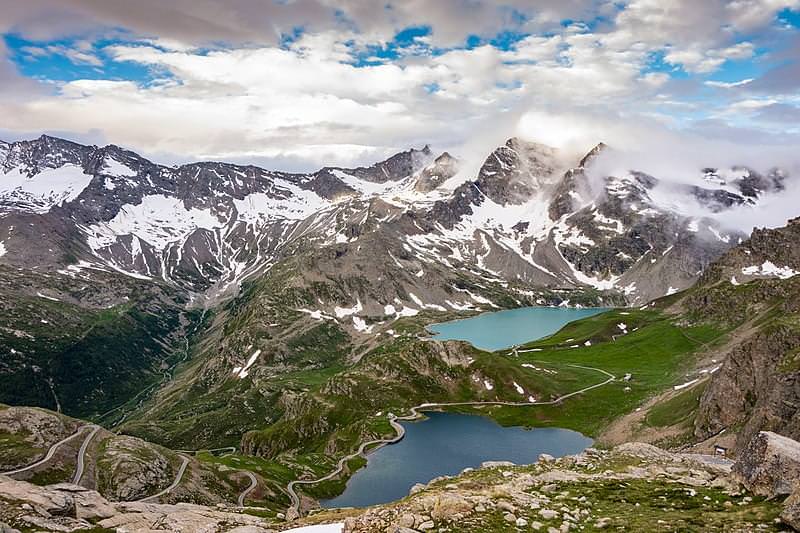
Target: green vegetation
(50, 475)
(656, 352)
(58, 353)
(678, 409)
(16, 450)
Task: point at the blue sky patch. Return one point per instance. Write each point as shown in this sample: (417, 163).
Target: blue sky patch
(68, 60)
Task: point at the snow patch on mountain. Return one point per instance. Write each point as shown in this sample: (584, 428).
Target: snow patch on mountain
(368, 188)
(113, 167)
(47, 189)
(768, 268)
(287, 201)
(342, 312)
(158, 220)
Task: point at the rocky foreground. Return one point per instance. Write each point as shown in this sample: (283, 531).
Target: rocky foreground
(633, 487)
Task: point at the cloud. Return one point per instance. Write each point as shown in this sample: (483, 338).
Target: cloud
(783, 79)
(677, 158)
(286, 82)
(780, 113)
(727, 84)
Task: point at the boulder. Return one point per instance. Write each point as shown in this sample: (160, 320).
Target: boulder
(89, 504)
(769, 465)
(406, 520)
(644, 451)
(51, 501)
(5, 528)
(449, 504)
(418, 487)
(791, 510)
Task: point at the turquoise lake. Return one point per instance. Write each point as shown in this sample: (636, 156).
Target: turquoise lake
(446, 444)
(504, 329)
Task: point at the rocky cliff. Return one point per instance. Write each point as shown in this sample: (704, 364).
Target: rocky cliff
(756, 287)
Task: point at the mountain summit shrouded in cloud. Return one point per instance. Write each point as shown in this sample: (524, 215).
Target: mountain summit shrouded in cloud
(293, 84)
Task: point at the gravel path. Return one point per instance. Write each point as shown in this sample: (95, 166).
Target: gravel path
(49, 455)
(175, 483)
(248, 490)
(76, 479)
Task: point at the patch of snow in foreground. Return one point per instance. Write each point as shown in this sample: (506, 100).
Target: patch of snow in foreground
(321, 528)
(40, 295)
(488, 384)
(342, 312)
(361, 325)
(671, 290)
(768, 268)
(245, 371)
(519, 388)
(407, 311)
(317, 314)
(2, 249)
(685, 385)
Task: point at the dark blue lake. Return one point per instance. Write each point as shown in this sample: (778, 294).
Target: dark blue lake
(504, 329)
(446, 444)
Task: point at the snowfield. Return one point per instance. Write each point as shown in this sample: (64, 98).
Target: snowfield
(39, 194)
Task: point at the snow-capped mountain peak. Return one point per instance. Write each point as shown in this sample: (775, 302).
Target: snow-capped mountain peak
(525, 216)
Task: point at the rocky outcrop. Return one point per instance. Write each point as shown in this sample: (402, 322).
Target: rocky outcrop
(66, 507)
(770, 465)
(35, 430)
(629, 488)
(131, 468)
(442, 169)
(754, 287)
(791, 510)
(756, 388)
(779, 246)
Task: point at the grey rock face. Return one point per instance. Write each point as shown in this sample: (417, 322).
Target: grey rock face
(443, 168)
(66, 507)
(770, 465)
(791, 510)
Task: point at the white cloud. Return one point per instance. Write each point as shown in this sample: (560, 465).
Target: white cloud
(304, 103)
(727, 84)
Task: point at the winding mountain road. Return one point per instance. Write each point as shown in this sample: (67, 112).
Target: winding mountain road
(248, 490)
(81, 464)
(50, 453)
(294, 509)
(175, 483)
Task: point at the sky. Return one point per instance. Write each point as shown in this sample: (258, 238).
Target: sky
(297, 84)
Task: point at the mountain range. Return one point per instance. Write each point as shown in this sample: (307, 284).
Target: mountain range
(282, 315)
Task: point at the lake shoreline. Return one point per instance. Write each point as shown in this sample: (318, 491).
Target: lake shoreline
(520, 325)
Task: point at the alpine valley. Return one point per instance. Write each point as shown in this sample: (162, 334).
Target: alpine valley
(209, 333)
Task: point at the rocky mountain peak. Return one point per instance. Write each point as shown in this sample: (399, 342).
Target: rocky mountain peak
(443, 168)
(594, 152)
(514, 172)
(42, 153)
(395, 168)
(573, 189)
(768, 253)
